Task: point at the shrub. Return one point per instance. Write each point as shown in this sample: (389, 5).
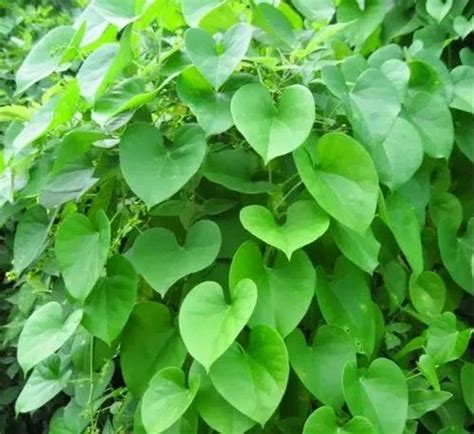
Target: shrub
(240, 216)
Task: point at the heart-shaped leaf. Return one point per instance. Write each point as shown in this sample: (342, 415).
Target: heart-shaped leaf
(273, 131)
(218, 63)
(30, 236)
(209, 324)
(360, 247)
(235, 170)
(211, 108)
(379, 393)
(214, 409)
(154, 171)
(324, 420)
(195, 10)
(253, 380)
(345, 302)
(428, 293)
(320, 367)
(166, 399)
(400, 217)
(340, 175)
(305, 223)
(431, 117)
(288, 283)
(110, 303)
(158, 257)
(81, 249)
(150, 341)
(45, 331)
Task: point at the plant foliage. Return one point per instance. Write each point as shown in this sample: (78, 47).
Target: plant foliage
(237, 216)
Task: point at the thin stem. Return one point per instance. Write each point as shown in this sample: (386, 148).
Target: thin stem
(290, 191)
(91, 384)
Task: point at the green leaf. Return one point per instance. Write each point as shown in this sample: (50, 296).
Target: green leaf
(81, 248)
(320, 11)
(363, 22)
(305, 222)
(324, 420)
(44, 383)
(217, 62)
(341, 177)
(150, 341)
(209, 323)
(379, 393)
(163, 267)
(253, 380)
(273, 131)
(375, 106)
(166, 399)
(117, 13)
(438, 9)
(211, 108)
(214, 409)
(277, 27)
(401, 219)
(320, 366)
(446, 340)
(428, 293)
(288, 283)
(44, 332)
(422, 401)
(432, 118)
(400, 154)
(345, 302)
(30, 237)
(195, 10)
(156, 172)
(463, 80)
(125, 96)
(359, 247)
(44, 58)
(57, 111)
(236, 170)
(457, 252)
(101, 68)
(467, 384)
(110, 303)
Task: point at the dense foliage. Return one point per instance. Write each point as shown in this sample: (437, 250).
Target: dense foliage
(236, 216)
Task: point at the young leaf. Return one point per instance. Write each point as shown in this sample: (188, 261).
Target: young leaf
(209, 323)
(81, 248)
(162, 267)
(273, 131)
(166, 399)
(110, 303)
(216, 63)
(341, 177)
(305, 223)
(253, 380)
(379, 393)
(324, 420)
(156, 172)
(321, 365)
(150, 341)
(428, 293)
(288, 283)
(44, 332)
(467, 384)
(195, 10)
